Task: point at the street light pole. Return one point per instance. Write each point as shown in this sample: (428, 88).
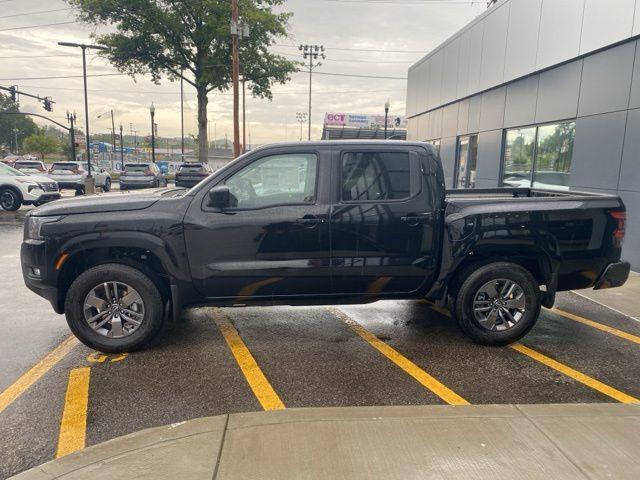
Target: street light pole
(121, 147)
(71, 118)
(386, 117)
(301, 117)
(312, 52)
(181, 118)
(152, 110)
(235, 73)
(90, 183)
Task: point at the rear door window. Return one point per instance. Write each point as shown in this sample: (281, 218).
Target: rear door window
(375, 176)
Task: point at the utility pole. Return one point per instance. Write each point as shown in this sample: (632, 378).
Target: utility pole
(312, 52)
(244, 119)
(235, 73)
(90, 182)
(301, 117)
(238, 31)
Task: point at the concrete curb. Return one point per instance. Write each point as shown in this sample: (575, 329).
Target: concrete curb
(444, 442)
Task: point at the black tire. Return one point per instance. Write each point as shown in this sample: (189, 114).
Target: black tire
(10, 199)
(474, 280)
(114, 272)
(79, 191)
(107, 185)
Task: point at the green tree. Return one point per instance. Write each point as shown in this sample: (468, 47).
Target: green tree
(22, 124)
(41, 144)
(191, 39)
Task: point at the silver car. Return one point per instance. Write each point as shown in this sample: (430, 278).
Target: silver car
(142, 175)
(72, 175)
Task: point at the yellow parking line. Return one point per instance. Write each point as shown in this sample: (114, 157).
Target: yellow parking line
(578, 376)
(426, 380)
(73, 426)
(599, 326)
(261, 387)
(30, 377)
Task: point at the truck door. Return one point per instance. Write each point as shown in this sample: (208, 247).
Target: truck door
(384, 221)
(274, 240)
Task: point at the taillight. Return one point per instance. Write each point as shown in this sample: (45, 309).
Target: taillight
(620, 217)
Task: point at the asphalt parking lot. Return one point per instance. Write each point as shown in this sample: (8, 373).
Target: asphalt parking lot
(57, 396)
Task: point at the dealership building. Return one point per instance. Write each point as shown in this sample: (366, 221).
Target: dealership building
(541, 93)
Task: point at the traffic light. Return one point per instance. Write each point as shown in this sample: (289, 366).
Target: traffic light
(12, 90)
(47, 104)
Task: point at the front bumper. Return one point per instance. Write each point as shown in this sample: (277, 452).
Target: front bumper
(614, 275)
(42, 198)
(35, 273)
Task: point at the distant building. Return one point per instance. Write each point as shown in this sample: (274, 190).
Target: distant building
(542, 93)
(340, 126)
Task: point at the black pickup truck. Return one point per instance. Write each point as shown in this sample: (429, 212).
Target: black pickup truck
(320, 223)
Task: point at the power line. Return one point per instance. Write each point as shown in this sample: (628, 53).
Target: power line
(62, 76)
(414, 2)
(36, 26)
(35, 13)
(358, 49)
(350, 60)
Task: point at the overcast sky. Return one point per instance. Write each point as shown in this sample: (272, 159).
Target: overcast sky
(411, 26)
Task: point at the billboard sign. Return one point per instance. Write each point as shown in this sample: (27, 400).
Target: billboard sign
(355, 120)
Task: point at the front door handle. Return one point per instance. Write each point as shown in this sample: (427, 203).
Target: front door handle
(415, 219)
(309, 221)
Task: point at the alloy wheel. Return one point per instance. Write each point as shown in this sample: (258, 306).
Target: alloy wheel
(113, 309)
(499, 304)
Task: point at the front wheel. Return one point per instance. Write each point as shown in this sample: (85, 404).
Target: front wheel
(9, 200)
(114, 308)
(497, 303)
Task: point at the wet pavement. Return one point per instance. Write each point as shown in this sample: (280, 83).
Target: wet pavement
(309, 356)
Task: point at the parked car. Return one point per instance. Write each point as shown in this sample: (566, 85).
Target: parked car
(321, 223)
(18, 188)
(189, 174)
(72, 175)
(30, 166)
(11, 159)
(142, 175)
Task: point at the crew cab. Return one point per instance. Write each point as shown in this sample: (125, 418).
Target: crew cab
(320, 223)
(18, 188)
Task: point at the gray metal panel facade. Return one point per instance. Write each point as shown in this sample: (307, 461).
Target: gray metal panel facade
(520, 105)
(558, 92)
(606, 80)
(598, 150)
(524, 18)
(530, 62)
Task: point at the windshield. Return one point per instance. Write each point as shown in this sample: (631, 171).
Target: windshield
(36, 165)
(7, 170)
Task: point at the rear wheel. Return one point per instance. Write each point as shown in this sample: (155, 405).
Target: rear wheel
(497, 303)
(114, 308)
(107, 185)
(10, 199)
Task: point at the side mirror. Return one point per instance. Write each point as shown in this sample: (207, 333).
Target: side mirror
(220, 197)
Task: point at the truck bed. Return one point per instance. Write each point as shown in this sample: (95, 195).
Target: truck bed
(518, 199)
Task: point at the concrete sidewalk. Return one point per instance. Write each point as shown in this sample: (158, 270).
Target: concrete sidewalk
(624, 299)
(435, 442)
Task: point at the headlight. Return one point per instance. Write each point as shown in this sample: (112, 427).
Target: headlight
(33, 226)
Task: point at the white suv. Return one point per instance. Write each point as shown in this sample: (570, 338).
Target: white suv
(17, 188)
(73, 174)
